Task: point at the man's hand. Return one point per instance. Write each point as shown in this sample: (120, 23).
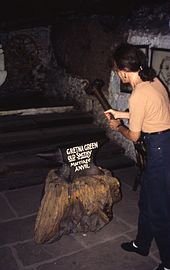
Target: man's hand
(113, 123)
(110, 114)
(117, 114)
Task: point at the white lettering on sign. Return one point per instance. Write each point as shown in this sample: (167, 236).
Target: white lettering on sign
(83, 155)
(81, 167)
(80, 162)
(79, 157)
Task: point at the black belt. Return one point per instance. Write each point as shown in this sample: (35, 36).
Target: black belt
(156, 133)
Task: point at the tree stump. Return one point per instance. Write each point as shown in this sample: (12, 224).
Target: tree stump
(83, 205)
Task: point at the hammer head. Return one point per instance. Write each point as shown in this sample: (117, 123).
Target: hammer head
(96, 84)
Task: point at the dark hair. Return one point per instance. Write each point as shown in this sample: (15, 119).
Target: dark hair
(130, 58)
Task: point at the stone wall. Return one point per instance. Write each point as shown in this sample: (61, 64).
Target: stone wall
(72, 89)
(82, 44)
(29, 63)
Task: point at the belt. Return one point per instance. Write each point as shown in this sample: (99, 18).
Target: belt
(157, 133)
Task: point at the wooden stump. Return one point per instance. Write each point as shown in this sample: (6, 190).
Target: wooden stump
(81, 206)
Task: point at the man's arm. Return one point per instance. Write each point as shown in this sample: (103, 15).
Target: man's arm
(125, 131)
(118, 114)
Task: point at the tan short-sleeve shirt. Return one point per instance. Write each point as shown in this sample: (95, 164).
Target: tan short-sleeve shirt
(149, 107)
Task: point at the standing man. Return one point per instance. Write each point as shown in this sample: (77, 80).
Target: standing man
(149, 117)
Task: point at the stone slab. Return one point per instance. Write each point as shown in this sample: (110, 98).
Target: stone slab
(107, 255)
(30, 253)
(5, 211)
(30, 198)
(17, 230)
(32, 111)
(7, 261)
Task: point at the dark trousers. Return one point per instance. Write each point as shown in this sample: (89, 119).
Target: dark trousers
(154, 201)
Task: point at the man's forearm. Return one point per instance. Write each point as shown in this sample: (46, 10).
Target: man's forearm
(122, 115)
(125, 131)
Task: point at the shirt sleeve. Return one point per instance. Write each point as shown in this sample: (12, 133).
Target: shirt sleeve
(137, 105)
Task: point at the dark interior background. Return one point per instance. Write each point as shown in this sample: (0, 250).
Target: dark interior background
(47, 10)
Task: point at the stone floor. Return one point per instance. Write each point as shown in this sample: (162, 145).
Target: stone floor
(93, 251)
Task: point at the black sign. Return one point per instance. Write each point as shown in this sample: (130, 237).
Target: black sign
(80, 159)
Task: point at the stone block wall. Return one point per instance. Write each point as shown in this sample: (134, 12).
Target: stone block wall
(28, 61)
